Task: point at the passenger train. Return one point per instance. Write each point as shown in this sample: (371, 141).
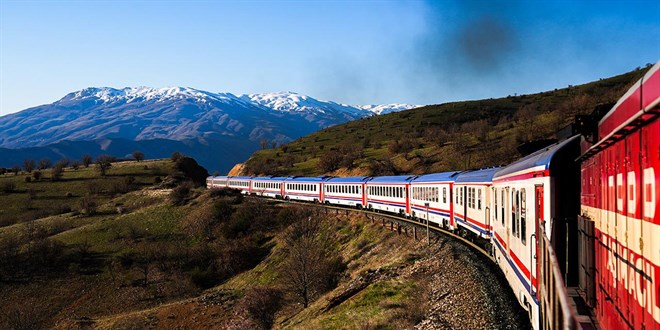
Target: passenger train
(580, 214)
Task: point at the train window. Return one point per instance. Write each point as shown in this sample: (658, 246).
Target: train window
(444, 195)
(479, 199)
(502, 206)
(495, 202)
(514, 222)
(523, 224)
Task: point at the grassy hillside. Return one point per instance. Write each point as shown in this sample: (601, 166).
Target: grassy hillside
(451, 136)
(148, 256)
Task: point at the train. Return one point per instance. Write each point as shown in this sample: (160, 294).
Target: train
(576, 219)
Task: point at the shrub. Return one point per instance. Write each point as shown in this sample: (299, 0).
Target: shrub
(88, 205)
(36, 175)
(8, 187)
(261, 304)
(180, 194)
(28, 179)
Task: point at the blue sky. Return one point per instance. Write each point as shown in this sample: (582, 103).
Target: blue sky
(356, 52)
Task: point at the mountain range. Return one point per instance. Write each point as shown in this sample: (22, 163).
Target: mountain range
(218, 129)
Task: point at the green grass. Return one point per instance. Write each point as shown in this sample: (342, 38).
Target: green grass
(63, 196)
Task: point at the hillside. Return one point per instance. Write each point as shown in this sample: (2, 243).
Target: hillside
(143, 255)
(450, 136)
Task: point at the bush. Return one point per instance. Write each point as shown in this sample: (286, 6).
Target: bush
(88, 205)
(157, 180)
(179, 195)
(28, 179)
(36, 175)
(261, 304)
(203, 278)
(8, 187)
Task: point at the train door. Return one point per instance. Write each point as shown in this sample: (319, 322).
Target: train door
(506, 205)
(538, 221)
(465, 204)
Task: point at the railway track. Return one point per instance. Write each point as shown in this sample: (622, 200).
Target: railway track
(399, 220)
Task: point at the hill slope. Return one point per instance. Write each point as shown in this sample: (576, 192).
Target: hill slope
(451, 136)
(214, 259)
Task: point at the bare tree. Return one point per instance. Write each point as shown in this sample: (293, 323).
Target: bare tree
(57, 172)
(263, 143)
(28, 165)
(176, 156)
(103, 163)
(45, 163)
(86, 160)
(311, 267)
(138, 155)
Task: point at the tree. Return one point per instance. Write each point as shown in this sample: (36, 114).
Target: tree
(28, 165)
(64, 162)
(15, 169)
(57, 172)
(330, 161)
(88, 205)
(86, 160)
(312, 266)
(176, 156)
(45, 163)
(103, 163)
(138, 155)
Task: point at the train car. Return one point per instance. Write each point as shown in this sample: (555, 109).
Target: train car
(241, 183)
(620, 250)
(346, 191)
(472, 200)
(270, 186)
(431, 195)
(540, 190)
(389, 194)
(209, 182)
(304, 188)
(218, 182)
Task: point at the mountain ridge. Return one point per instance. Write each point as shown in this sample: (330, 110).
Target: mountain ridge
(174, 116)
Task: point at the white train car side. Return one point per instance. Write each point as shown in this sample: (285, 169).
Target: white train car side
(534, 191)
(242, 183)
(304, 188)
(472, 210)
(389, 194)
(272, 187)
(436, 191)
(346, 191)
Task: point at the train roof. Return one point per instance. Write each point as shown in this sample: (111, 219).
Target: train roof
(219, 177)
(269, 178)
(392, 179)
(436, 177)
(351, 179)
(306, 179)
(540, 158)
(483, 175)
(240, 177)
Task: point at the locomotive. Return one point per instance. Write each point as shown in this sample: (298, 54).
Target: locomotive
(578, 216)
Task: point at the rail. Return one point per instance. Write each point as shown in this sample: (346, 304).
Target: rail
(556, 310)
(398, 219)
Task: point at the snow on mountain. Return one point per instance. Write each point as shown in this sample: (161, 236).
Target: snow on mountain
(387, 108)
(177, 114)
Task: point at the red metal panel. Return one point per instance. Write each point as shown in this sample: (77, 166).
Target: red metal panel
(625, 109)
(651, 87)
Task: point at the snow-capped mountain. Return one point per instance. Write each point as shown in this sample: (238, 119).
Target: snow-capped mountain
(177, 114)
